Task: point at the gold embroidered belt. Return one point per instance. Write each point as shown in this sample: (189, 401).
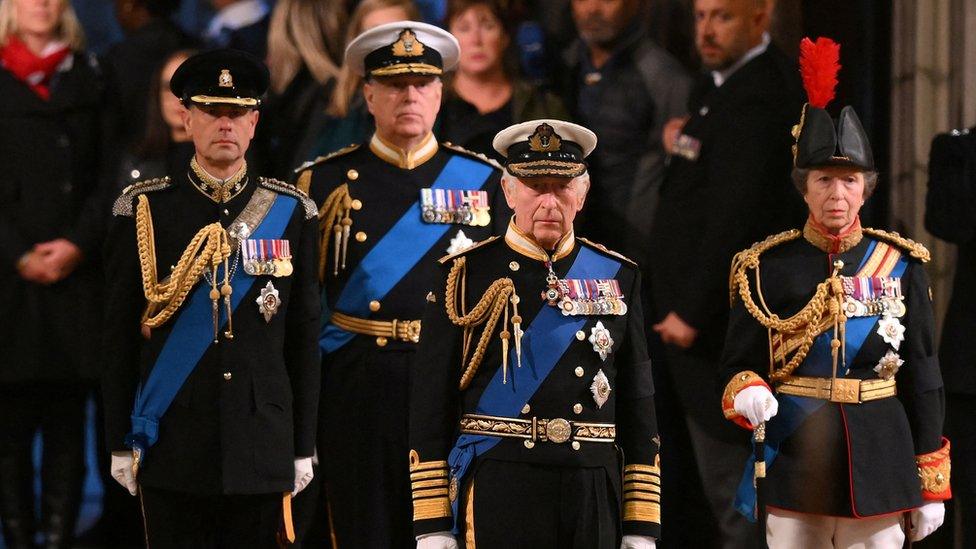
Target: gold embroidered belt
(401, 330)
(557, 430)
(840, 390)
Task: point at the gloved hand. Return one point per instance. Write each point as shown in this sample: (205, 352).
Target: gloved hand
(927, 519)
(121, 469)
(756, 404)
(437, 540)
(638, 542)
(303, 474)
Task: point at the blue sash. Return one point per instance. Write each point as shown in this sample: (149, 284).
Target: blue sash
(190, 338)
(793, 410)
(543, 344)
(397, 252)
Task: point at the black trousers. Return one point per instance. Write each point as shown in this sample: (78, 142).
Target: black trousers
(521, 505)
(191, 521)
(57, 410)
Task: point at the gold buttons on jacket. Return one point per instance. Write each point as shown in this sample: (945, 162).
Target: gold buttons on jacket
(227, 376)
(513, 266)
(581, 335)
(374, 305)
(381, 341)
(579, 371)
(360, 236)
(529, 444)
(357, 204)
(352, 175)
(526, 409)
(575, 445)
(578, 408)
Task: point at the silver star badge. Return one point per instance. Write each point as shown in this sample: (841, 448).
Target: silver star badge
(459, 242)
(891, 330)
(600, 389)
(601, 340)
(268, 301)
(888, 365)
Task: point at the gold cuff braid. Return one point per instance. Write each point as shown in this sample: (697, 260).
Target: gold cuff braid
(934, 471)
(430, 488)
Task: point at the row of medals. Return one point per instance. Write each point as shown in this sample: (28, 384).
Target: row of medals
(277, 268)
(573, 307)
(465, 215)
(890, 306)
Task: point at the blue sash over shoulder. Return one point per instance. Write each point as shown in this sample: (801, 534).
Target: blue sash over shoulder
(543, 344)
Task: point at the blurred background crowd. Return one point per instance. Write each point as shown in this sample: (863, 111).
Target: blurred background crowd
(96, 115)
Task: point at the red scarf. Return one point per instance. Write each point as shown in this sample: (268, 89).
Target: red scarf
(30, 68)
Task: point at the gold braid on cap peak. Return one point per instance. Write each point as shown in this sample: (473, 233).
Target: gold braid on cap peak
(823, 309)
(487, 311)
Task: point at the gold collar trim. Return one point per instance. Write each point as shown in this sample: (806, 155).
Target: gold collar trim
(816, 234)
(407, 160)
(525, 244)
(216, 189)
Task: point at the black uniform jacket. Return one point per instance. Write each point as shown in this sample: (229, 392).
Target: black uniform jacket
(847, 460)
(950, 214)
(51, 156)
(437, 403)
(249, 407)
(734, 193)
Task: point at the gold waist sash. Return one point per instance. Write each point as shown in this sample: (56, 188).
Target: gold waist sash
(401, 330)
(841, 390)
(557, 430)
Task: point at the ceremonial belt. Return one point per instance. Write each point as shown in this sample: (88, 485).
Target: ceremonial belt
(844, 391)
(557, 430)
(401, 330)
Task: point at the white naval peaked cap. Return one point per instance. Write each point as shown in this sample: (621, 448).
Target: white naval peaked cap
(403, 47)
(545, 147)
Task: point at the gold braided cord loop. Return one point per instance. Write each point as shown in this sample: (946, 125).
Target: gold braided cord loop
(823, 307)
(334, 224)
(487, 311)
(208, 248)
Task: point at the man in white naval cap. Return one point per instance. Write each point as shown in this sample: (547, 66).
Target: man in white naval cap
(388, 209)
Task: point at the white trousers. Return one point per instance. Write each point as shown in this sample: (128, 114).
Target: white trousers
(788, 530)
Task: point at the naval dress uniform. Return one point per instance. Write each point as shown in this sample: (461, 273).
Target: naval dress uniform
(212, 323)
(532, 419)
(841, 328)
(386, 216)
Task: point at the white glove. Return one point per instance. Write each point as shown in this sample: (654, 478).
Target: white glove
(756, 404)
(927, 519)
(303, 474)
(437, 540)
(122, 471)
(638, 542)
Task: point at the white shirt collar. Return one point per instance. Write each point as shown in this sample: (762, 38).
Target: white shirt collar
(237, 15)
(721, 76)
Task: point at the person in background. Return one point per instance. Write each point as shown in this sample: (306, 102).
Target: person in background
(240, 25)
(51, 226)
(304, 52)
(485, 96)
(347, 119)
(130, 65)
(624, 87)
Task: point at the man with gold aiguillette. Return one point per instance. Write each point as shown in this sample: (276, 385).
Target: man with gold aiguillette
(534, 351)
(388, 209)
(212, 320)
(837, 321)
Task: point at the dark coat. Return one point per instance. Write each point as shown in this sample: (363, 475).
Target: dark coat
(736, 192)
(247, 410)
(50, 165)
(437, 403)
(847, 460)
(950, 214)
(291, 123)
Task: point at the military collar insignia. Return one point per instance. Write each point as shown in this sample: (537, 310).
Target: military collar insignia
(407, 45)
(406, 160)
(816, 234)
(216, 189)
(525, 244)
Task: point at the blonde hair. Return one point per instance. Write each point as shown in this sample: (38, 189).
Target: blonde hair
(348, 82)
(68, 30)
(304, 32)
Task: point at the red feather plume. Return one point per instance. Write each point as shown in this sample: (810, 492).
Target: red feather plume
(819, 64)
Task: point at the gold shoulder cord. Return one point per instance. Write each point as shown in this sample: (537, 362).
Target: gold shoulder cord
(914, 249)
(210, 246)
(824, 307)
(489, 308)
(334, 222)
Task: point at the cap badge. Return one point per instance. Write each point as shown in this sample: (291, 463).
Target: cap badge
(407, 45)
(545, 139)
(225, 80)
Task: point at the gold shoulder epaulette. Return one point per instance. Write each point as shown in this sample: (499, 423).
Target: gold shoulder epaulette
(478, 244)
(457, 148)
(123, 204)
(913, 248)
(326, 158)
(286, 188)
(606, 250)
(749, 258)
